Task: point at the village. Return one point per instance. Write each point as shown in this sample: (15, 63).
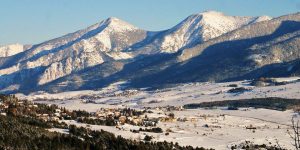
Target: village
(211, 115)
(103, 116)
(162, 123)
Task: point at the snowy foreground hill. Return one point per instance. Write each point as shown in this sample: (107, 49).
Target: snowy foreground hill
(208, 46)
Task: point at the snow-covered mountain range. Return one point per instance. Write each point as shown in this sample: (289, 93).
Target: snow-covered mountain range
(100, 52)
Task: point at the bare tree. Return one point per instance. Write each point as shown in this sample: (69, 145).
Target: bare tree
(295, 135)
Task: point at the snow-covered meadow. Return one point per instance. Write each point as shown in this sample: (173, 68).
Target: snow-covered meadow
(116, 96)
(218, 129)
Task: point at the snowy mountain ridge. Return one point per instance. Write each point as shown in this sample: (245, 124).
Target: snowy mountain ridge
(112, 46)
(88, 47)
(203, 27)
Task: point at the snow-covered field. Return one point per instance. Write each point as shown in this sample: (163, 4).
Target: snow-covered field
(210, 128)
(115, 96)
(219, 129)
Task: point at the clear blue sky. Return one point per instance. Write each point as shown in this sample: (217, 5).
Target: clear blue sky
(34, 21)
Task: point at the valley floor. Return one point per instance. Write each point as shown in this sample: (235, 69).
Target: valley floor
(217, 128)
(115, 96)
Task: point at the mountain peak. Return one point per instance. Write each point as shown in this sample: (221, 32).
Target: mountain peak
(117, 24)
(263, 18)
(211, 12)
(113, 19)
(204, 26)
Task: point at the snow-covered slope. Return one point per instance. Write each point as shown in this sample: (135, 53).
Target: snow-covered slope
(12, 49)
(109, 34)
(97, 44)
(102, 44)
(202, 27)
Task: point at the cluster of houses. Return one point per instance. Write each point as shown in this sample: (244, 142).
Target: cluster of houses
(144, 117)
(3, 107)
(121, 116)
(169, 108)
(13, 106)
(125, 115)
(126, 93)
(58, 115)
